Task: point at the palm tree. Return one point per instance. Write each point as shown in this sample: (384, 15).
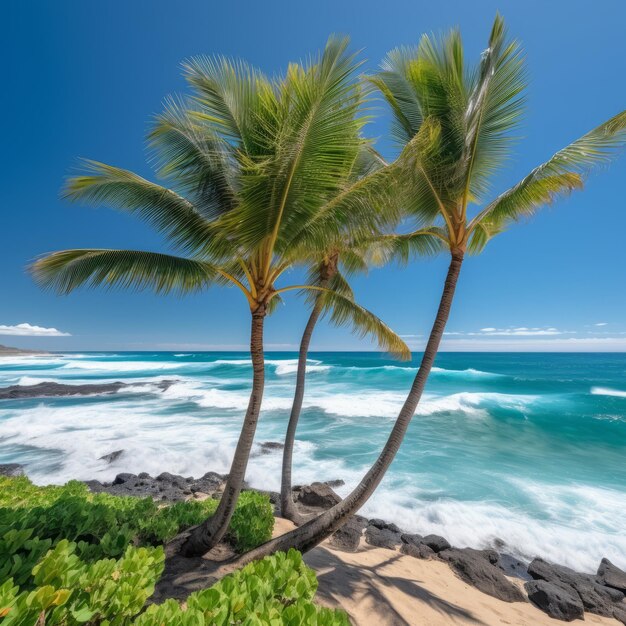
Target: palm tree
(259, 170)
(355, 256)
(459, 122)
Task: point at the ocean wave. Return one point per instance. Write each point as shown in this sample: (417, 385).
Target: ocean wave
(598, 532)
(364, 404)
(605, 391)
(468, 373)
(122, 366)
(291, 368)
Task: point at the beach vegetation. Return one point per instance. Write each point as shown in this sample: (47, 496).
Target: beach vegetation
(69, 557)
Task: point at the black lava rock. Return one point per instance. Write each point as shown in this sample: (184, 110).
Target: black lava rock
(382, 537)
(436, 543)
(11, 469)
(611, 576)
(558, 602)
(476, 569)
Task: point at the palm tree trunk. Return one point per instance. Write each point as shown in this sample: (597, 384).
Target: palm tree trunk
(211, 531)
(288, 510)
(313, 532)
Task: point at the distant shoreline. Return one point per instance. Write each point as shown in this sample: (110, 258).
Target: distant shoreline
(9, 351)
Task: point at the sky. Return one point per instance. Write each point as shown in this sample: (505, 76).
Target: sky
(84, 79)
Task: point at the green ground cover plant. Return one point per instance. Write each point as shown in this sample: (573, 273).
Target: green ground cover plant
(70, 557)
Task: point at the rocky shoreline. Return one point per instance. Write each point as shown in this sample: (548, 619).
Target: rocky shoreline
(557, 590)
(54, 390)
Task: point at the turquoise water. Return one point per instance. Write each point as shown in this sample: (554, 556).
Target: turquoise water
(528, 449)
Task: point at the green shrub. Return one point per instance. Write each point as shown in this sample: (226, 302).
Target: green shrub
(276, 590)
(70, 591)
(70, 557)
(33, 519)
(252, 522)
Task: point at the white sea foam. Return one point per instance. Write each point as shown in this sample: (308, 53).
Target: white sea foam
(597, 532)
(122, 366)
(291, 368)
(604, 391)
(466, 373)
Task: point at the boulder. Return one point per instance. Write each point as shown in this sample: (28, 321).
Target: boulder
(557, 601)
(123, 478)
(436, 543)
(267, 447)
(611, 576)
(336, 483)
(383, 525)
(596, 598)
(476, 569)
(512, 566)
(209, 483)
(112, 456)
(11, 469)
(382, 537)
(348, 537)
(418, 551)
(413, 539)
(318, 495)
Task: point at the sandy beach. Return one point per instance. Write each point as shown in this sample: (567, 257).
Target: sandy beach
(386, 588)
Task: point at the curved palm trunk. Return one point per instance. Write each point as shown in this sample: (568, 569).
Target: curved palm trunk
(313, 532)
(287, 507)
(211, 531)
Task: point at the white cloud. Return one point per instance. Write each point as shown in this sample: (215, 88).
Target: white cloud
(601, 324)
(28, 330)
(521, 331)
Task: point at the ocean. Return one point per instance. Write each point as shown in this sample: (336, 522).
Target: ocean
(523, 451)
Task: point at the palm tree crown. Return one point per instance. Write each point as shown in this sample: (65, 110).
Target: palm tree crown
(262, 178)
(461, 122)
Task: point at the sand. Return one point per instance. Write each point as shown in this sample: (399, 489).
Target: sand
(382, 587)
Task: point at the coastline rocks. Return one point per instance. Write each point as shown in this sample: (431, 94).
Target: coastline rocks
(554, 600)
(595, 598)
(382, 537)
(167, 487)
(611, 576)
(348, 537)
(112, 456)
(381, 524)
(413, 545)
(512, 566)
(267, 447)
(476, 568)
(50, 389)
(436, 543)
(11, 469)
(318, 495)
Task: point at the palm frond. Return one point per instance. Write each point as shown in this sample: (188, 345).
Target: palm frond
(342, 310)
(228, 96)
(493, 111)
(563, 173)
(130, 269)
(400, 94)
(168, 212)
(404, 247)
(196, 158)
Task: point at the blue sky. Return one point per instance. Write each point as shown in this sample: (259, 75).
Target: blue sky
(82, 79)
